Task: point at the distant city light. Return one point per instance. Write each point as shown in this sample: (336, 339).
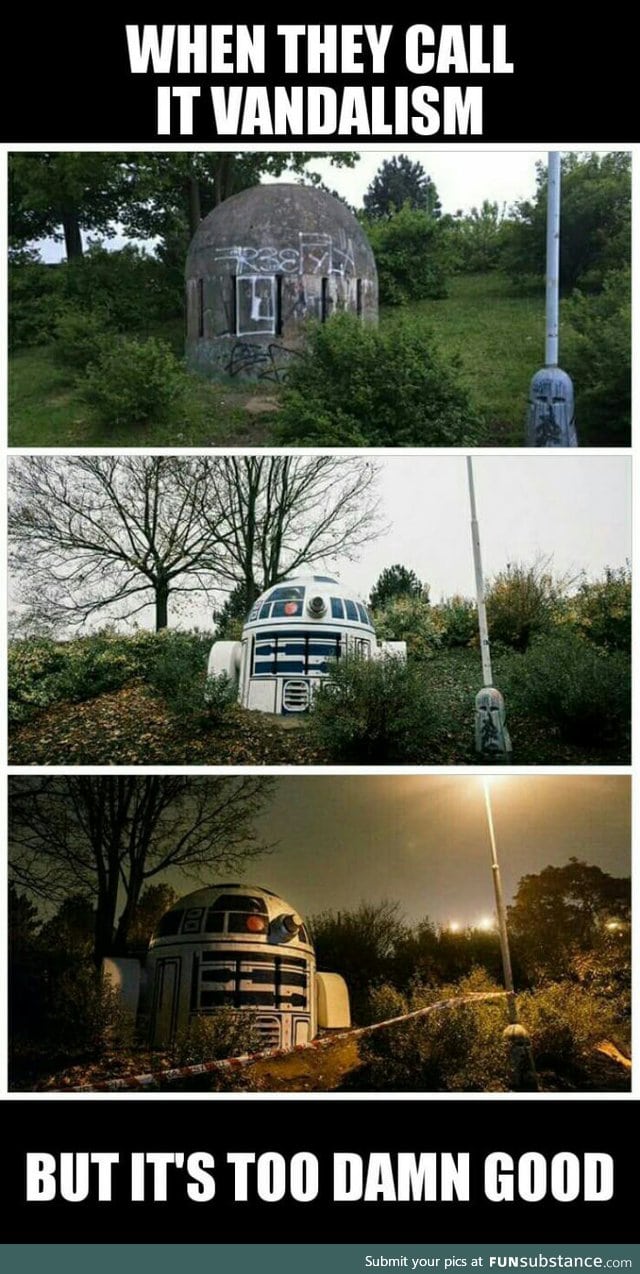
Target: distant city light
(454, 926)
(486, 922)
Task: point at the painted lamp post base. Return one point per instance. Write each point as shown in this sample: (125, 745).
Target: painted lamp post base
(551, 416)
(492, 736)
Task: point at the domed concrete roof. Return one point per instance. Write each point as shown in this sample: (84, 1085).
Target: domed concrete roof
(285, 216)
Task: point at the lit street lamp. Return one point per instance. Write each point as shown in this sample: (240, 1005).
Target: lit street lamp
(524, 1073)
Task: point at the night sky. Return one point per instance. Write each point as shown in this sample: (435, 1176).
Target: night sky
(422, 840)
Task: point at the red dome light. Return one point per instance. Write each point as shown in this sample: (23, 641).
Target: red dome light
(256, 924)
(291, 608)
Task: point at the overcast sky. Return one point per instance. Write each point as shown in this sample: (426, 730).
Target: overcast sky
(421, 840)
(463, 179)
(575, 509)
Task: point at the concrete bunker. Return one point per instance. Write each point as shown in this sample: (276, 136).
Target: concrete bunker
(263, 263)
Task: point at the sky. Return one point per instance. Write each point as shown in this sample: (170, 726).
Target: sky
(463, 179)
(574, 509)
(422, 840)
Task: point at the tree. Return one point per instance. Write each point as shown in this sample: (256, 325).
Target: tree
(66, 191)
(286, 512)
(396, 581)
(408, 249)
(359, 944)
(561, 911)
(595, 234)
(174, 191)
(397, 182)
(475, 239)
(154, 901)
(112, 535)
(108, 837)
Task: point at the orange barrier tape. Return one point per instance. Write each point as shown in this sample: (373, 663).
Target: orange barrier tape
(152, 1080)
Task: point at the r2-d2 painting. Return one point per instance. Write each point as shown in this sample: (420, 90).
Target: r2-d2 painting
(293, 634)
(240, 947)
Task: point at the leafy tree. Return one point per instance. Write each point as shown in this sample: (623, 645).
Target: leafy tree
(72, 927)
(597, 352)
(474, 240)
(68, 192)
(398, 182)
(521, 601)
(408, 249)
(561, 911)
(108, 837)
(595, 221)
(396, 581)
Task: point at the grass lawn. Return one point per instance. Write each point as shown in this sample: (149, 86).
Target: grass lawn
(132, 726)
(498, 336)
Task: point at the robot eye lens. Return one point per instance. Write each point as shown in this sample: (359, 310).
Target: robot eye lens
(256, 924)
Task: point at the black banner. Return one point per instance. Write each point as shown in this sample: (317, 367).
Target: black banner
(324, 85)
(517, 1148)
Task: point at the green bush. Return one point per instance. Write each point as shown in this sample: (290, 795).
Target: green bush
(581, 691)
(375, 713)
(43, 671)
(457, 1049)
(409, 619)
(358, 385)
(598, 356)
(177, 671)
(521, 602)
(565, 1021)
(601, 610)
(128, 288)
(409, 256)
(79, 338)
(225, 1033)
(457, 621)
(134, 382)
(36, 301)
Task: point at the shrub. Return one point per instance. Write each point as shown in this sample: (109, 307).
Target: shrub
(565, 1021)
(177, 670)
(225, 1033)
(457, 621)
(79, 338)
(359, 385)
(42, 671)
(409, 256)
(133, 382)
(520, 604)
(598, 356)
(601, 610)
(73, 1014)
(583, 692)
(130, 287)
(36, 300)
(409, 619)
(454, 1049)
(375, 712)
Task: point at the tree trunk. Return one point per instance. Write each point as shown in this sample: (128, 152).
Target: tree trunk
(72, 236)
(195, 211)
(162, 606)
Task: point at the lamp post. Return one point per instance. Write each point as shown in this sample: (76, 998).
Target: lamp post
(551, 414)
(515, 1035)
(491, 733)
